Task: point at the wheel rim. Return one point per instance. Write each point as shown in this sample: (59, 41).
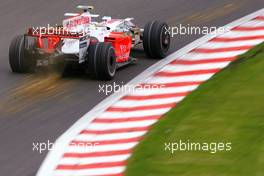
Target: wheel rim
(111, 63)
(165, 39)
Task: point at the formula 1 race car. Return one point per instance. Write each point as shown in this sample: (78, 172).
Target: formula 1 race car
(99, 47)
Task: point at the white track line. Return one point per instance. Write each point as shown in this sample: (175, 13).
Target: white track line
(110, 126)
(134, 113)
(134, 103)
(180, 68)
(164, 90)
(242, 34)
(94, 160)
(214, 45)
(253, 23)
(114, 136)
(90, 172)
(198, 56)
(163, 80)
(100, 148)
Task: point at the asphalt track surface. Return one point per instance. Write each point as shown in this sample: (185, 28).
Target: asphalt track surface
(40, 107)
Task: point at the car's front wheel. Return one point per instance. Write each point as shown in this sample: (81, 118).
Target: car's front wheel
(156, 39)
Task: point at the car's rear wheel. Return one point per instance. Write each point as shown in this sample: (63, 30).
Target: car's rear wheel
(156, 39)
(19, 59)
(101, 61)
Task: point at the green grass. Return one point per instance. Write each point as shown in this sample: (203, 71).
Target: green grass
(228, 108)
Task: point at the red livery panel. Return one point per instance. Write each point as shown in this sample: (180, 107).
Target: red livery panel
(122, 44)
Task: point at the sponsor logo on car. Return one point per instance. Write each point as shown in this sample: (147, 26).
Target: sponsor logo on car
(76, 21)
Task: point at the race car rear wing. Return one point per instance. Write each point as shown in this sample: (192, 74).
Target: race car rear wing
(85, 8)
(53, 37)
(71, 14)
(77, 14)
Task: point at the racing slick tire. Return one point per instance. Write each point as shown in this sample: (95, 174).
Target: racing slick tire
(156, 39)
(102, 60)
(19, 60)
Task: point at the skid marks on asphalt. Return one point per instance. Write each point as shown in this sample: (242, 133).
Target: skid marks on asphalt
(210, 14)
(35, 89)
